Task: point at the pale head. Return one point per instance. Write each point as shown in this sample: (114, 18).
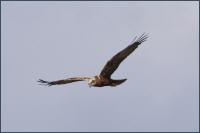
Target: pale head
(91, 82)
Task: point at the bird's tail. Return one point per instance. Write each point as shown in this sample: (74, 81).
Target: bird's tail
(117, 82)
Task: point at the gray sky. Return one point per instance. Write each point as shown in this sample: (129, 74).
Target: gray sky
(55, 40)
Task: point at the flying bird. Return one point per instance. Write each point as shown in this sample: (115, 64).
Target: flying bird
(104, 78)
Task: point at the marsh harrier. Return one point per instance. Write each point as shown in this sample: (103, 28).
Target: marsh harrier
(104, 78)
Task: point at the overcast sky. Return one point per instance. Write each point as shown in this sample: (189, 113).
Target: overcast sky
(56, 40)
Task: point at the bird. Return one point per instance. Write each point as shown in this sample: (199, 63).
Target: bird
(104, 78)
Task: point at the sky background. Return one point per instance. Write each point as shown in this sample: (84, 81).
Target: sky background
(56, 40)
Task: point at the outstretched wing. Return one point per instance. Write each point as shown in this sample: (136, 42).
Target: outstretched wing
(115, 61)
(64, 81)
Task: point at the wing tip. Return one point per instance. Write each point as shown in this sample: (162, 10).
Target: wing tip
(43, 82)
(142, 38)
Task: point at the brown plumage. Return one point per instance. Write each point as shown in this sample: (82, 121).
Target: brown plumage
(104, 78)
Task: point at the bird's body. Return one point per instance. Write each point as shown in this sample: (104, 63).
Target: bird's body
(100, 81)
(104, 78)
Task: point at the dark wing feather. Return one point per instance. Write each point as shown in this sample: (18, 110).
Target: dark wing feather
(115, 61)
(64, 81)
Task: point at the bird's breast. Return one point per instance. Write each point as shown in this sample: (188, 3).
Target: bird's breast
(100, 81)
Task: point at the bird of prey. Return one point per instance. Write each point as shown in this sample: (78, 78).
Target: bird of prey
(104, 78)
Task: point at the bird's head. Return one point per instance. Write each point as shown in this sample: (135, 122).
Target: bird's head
(91, 82)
